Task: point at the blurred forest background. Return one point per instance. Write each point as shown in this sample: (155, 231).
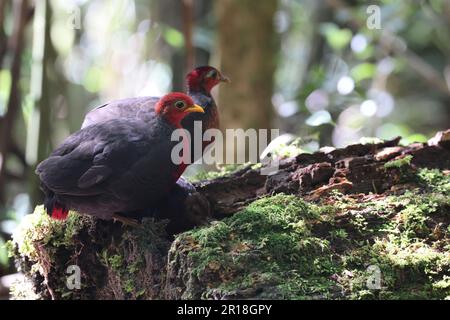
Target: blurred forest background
(330, 71)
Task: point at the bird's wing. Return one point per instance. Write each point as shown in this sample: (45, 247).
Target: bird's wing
(92, 155)
(70, 143)
(140, 107)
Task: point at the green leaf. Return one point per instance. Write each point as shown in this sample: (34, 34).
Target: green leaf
(415, 138)
(392, 130)
(174, 37)
(5, 87)
(318, 118)
(363, 71)
(336, 38)
(93, 79)
(3, 253)
(366, 54)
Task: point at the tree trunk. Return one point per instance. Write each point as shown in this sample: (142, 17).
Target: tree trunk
(39, 129)
(21, 17)
(247, 45)
(315, 229)
(3, 38)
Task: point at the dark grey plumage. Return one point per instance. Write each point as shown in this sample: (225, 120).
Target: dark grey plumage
(114, 166)
(142, 108)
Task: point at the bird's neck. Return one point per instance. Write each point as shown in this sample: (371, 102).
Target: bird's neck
(210, 117)
(203, 98)
(195, 90)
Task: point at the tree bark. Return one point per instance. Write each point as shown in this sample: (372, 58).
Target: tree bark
(21, 17)
(3, 38)
(188, 22)
(39, 128)
(247, 44)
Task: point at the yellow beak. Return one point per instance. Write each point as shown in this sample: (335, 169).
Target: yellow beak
(194, 108)
(224, 79)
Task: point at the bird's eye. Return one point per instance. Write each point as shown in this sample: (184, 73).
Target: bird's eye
(212, 74)
(180, 104)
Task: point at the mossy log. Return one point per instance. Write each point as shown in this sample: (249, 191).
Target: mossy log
(318, 228)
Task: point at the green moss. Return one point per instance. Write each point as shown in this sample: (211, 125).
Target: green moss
(398, 163)
(339, 234)
(277, 232)
(416, 215)
(435, 180)
(38, 228)
(223, 171)
(126, 258)
(40, 243)
(289, 150)
(370, 140)
(46, 247)
(116, 262)
(283, 247)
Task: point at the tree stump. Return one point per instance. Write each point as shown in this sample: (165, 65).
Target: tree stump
(368, 221)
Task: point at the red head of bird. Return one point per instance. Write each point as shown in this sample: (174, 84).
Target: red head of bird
(173, 107)
(204, 79)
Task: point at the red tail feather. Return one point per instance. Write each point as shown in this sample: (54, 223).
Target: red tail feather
(59, 213)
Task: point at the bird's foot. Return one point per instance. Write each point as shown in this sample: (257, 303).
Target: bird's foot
(126, 221)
